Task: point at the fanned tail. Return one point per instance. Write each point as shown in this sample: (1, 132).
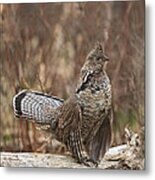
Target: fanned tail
(35, 106)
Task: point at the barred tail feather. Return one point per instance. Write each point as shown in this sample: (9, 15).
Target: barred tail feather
(35, 106)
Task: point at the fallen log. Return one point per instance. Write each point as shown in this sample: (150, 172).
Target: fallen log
(127, 156)
(10, 159)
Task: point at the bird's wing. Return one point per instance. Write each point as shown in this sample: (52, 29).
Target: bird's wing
(101, 141)
(69, 129)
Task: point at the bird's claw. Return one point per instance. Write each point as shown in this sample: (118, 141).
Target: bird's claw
(89, 162)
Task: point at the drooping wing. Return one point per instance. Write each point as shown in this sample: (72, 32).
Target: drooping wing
(101, 141)
(69, 129)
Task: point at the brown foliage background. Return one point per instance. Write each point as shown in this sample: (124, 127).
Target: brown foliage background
(43, 47)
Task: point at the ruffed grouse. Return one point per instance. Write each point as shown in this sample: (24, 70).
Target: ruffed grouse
(83, 122)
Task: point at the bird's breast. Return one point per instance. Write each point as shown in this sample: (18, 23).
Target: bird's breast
(94, 108)
(95, 99)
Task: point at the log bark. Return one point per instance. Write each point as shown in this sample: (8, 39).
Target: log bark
(11, 159)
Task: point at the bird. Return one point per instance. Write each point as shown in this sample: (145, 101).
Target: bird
(84, 121)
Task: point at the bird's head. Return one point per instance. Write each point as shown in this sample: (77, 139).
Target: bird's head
(97, 56)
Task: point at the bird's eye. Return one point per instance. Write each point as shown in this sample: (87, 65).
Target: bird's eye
(98, 58)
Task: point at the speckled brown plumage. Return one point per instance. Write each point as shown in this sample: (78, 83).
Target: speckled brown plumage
(83, 122)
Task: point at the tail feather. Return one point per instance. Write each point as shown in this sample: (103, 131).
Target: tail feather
(35, 105)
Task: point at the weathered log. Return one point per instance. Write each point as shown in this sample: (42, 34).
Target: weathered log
(10, 159)
(128, 156)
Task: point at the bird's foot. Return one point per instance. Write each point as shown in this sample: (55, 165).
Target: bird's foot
(88, 162)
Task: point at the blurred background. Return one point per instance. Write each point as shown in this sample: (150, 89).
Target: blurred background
(43, 47)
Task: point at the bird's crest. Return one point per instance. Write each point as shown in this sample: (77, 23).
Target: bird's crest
(97, 52)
